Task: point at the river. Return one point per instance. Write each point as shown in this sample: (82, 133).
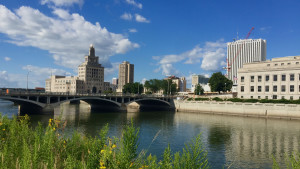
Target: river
(238, 142)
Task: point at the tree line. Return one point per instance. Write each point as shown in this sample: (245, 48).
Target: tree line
(218, 82)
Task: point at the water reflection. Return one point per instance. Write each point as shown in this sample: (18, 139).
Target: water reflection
(238, 142)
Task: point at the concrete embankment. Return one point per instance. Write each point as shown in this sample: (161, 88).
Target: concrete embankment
(269, 110)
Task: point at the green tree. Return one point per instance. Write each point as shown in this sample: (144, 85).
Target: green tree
(133, 88)
(219, 82)
(198, 90)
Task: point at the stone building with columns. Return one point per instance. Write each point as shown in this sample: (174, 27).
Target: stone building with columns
(90, 78)
(278, 78)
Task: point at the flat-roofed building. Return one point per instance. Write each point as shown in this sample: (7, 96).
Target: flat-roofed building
(278, 78)
(198, 79)
(126, 74)
(244, 51)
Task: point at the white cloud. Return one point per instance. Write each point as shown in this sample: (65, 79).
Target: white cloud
(126, 16)
(7, 58)
(66, 37)
(62, 2)
(211, 58)
(132, 30)
(113, 69)
(132, 2)
(140, 18)
(143, 81)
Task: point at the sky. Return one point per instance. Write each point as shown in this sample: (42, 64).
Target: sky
(160, 37)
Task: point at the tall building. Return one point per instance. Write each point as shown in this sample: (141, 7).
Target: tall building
(180, 83)
(126, 74)
(198, 79)
(244, 51)
(278, 78)
(90, 78)
(114, 81)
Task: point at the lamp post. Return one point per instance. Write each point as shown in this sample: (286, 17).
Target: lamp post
(27, 80)
(225, 88)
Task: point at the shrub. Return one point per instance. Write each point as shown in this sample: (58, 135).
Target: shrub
(217, 99)
(201, 99)
(47, 147)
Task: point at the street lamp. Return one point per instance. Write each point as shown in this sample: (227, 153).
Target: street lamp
(27, 80)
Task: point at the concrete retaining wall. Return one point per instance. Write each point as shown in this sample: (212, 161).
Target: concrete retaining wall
(289, 111)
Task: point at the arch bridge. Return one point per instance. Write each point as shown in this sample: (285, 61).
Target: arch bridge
(46, 102)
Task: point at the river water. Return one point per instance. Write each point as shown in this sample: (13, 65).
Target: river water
(231, 141)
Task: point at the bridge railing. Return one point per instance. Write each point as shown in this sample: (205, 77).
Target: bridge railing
(25, 93)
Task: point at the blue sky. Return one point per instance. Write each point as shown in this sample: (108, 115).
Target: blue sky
(160, 37)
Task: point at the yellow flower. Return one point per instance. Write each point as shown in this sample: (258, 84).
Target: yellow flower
(114, 146)
(54, 129)
(3, 129)
(103, 167)
(131, 164)
(101, 164)
(102, 151)
(0, 124)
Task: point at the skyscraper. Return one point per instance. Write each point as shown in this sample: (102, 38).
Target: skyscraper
(126, 74)
(244, 51)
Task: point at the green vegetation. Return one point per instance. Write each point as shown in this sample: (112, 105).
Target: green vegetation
(292, 162)
(134, 88)
(199, 90)
(219, 82)
(201, 99)
(22, 146)
(155, 85)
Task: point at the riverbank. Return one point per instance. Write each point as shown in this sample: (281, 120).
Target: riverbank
(266, 110)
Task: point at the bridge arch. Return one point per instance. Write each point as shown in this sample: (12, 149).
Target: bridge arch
(87, 99)
(23, 101)
(149, 99)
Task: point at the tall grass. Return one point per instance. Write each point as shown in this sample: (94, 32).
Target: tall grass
(22, 146)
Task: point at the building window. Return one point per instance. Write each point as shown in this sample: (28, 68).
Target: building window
(274, 88)
(242, 96)
(242, 78)
(267, 89)
(252, 78)
(259, 78)
(267, 78)
(291, 98)
(292, 88)
(274, 96)
(242, 89)
(297, 63)
(266, 97)
(292, 77)
(274, 78)
(283, 77)
(282, 97)
(289, 63)
(252, 88)
(282, 88)
(282, 64)
(276, 64)
(251, 97)
(258, 97)
(259, 88)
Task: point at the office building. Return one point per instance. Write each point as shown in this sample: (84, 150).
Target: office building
(90, 78)
(198, 79)
(126, 74)
(180, 83)
(244, 51)
(278, 78)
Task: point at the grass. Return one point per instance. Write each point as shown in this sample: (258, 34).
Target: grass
(22, 146)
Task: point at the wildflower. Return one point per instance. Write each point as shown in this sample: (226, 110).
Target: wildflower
(103, 167)
(131, 164)
(3, 129)
(114, 146)
(0, 124)
(54, 129)
(102, 151)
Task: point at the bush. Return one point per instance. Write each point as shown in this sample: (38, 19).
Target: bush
(190, 99)
(217, 99)
(201, 99)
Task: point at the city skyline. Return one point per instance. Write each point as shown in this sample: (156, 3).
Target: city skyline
(44, 37)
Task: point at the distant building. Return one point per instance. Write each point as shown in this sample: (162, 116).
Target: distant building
(126, 74)
(278, 78)
(244, 51)
(114, 81)
(198, 79)
(90, 78)
(180, 83)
